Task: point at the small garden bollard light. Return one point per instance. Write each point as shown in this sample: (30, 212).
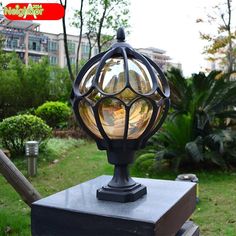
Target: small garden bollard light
(120, 98)
(31, 152)
(190, 178)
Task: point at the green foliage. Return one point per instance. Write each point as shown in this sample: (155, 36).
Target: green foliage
(179, 150)
(23, 88)
(170, 142)
(54, 113)
(59, 84)
(205, 98)
(4, 57)
(101, 19)
(16, 130)
(195, 134)
(220, 42)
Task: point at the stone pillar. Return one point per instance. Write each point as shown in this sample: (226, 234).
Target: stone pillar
(77, 211)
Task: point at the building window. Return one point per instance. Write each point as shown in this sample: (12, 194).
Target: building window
(65, 61)
(34, 58)
(52, 46)
(71, 46)
(8, 43)
(53, 60)
(34, 45)
(95, 51)
(12, 43)
(84, 50)
(72, 61)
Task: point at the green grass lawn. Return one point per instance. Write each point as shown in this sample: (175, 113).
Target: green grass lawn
(79, 161)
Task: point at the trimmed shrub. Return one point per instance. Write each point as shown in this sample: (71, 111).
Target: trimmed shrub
(16, 130)
(145, 162)
(54, 113)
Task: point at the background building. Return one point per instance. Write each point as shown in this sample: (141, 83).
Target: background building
(26, 39)
(159, 57)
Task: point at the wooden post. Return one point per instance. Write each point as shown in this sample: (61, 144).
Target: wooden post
(18, 181)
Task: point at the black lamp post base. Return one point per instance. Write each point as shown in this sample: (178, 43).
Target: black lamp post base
(125, 194)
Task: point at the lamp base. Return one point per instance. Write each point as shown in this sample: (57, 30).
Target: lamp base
(124, 194)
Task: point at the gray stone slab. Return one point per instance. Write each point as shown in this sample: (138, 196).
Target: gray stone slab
(77, 211)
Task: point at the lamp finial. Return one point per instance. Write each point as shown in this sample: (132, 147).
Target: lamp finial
(120, 35)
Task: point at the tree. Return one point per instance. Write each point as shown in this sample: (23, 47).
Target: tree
(79, 24)
(10, 88)
(108, 17)
(222, 42)
(25, 87)
(101, 19)
(65, 41)
(91, 40)
(4, 57)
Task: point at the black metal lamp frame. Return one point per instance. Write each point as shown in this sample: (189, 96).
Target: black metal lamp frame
(120, 152)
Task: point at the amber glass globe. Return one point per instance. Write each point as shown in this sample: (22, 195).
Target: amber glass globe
(127, 105)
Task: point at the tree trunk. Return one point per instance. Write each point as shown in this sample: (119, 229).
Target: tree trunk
(90, 45)
(230, 57)
(66, 44)
(14, 177)
(230, 46)
(99, 33)
(80, 38)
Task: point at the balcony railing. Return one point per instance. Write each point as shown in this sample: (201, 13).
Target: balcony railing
(22, 48)
(13, 33)
(38, 50)
(13, 47)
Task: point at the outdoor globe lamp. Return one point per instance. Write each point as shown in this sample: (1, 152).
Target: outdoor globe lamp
(120, 98)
